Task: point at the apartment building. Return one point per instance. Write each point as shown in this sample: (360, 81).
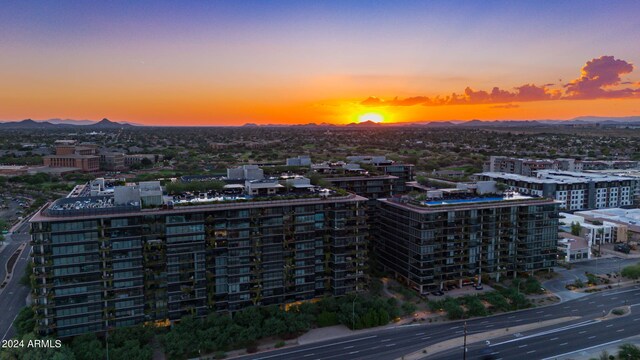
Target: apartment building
(403, 172)
(432, 243)
(574, 190)
(529, 167)
(105, 261)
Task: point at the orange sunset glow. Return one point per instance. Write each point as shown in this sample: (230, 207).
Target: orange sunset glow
(270, 63)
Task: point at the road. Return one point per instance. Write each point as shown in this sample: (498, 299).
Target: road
(394, 342)
(565, 340)
(13, 295)
(603, 266)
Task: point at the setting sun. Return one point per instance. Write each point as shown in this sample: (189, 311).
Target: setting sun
(373, 117)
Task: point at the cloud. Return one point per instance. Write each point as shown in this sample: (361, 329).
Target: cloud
(505, 106)
(599, 79)
(527, 92)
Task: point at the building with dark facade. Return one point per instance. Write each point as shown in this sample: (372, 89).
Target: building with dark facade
(101, 264)
(430, 244)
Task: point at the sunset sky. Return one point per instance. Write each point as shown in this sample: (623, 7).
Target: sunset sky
(229, 63)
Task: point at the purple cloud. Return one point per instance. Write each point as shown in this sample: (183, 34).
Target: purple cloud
(597, 76)
(598, 80)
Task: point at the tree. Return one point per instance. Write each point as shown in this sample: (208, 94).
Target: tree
(26, 277)
(629, 352)
(37, 352)
(631, 272)
(25, 321)
(576, 228)
(87, 347)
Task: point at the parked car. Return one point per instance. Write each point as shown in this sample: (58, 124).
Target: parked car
(479, 287)
(624, 248)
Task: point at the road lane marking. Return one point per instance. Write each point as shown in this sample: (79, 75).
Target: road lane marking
(522, 346)
(563, 344)
(547, 332)
(531, 352)
(347, 347)
(581, 332)
(426, 338)
(12, 321)
(610, 325)
(418, 334)
(621, 330)
(354, 352)
(390, 345)
(511, 317)
(636, 319)
(580, 350)
(385, 340)
(316, 347)
(308, 355)
(591, 337)
(488, 326)
(539, 312)
(591, 302)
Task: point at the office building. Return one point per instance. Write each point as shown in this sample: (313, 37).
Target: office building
(435, 240)
(83, 157)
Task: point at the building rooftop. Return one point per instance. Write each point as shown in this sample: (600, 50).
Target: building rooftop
(106, 197)
(65, 209)
(470, 201)
(558, 176)
(623, 216)
(476, 199)
(362, 177)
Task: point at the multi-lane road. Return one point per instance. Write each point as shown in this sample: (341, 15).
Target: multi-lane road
(586, 331)
(13, 295)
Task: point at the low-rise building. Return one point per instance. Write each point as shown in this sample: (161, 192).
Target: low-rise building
(301, 160)
(572, 248)
(624, 223)
(13, 170)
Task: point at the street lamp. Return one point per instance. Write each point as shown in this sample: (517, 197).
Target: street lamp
(353, 312)
(464, 355)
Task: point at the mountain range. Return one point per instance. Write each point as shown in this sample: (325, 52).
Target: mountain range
(64, 123)
(108, 124)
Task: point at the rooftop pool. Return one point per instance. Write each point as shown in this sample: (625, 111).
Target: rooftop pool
(464, 201)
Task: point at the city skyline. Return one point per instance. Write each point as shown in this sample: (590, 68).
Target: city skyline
(295, 63)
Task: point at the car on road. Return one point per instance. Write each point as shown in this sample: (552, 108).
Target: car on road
(437, 293)
(623, 248)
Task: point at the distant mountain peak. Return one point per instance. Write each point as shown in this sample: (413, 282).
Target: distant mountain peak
(365, 124)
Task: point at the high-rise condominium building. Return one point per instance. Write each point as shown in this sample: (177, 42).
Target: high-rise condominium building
(102, 263)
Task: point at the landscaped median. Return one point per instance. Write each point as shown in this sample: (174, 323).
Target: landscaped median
(459, 341)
